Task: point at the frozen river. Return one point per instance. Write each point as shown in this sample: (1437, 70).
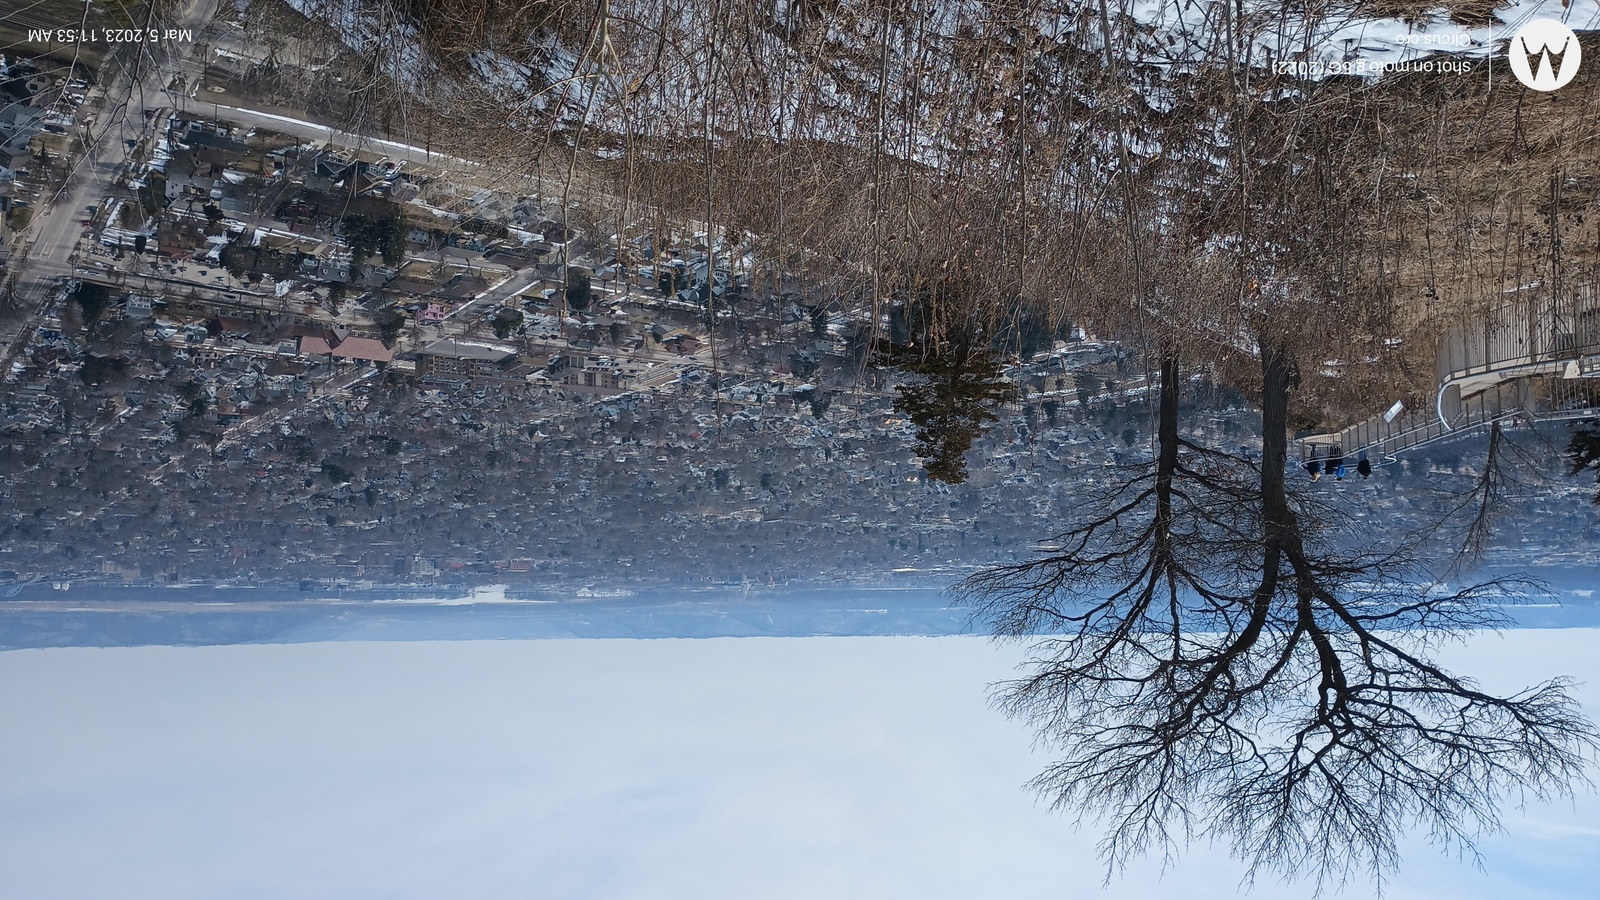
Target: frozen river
(767, 768)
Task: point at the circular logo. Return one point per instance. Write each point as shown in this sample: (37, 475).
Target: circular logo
(1544, 54)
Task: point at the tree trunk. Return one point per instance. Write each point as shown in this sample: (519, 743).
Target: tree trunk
(1275, 376)
(1166, 451)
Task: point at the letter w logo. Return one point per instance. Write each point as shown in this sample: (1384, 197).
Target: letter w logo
(1545, 63)
(1544, 54)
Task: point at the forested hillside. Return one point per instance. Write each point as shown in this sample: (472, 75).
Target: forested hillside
(1162, 171)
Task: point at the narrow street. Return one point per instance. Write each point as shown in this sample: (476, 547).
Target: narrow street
(55, 234)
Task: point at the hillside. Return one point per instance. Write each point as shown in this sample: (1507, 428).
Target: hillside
(1048, 161)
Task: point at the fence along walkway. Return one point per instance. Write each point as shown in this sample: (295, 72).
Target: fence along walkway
(1531, 358)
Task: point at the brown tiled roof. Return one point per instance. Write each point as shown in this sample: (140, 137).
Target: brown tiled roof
(363, 348)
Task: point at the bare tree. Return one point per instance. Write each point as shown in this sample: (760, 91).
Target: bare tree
(1221, 670)
(1515, 461)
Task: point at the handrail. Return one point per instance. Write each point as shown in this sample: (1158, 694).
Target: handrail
(1523, 370)
(1547, 358)
(1551, 362)
(1462, 429)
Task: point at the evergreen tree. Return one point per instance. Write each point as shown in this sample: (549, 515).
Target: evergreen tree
(389, 323)
(1583, 452)
(92, 300)
(952, 404)
(506, 321)
(580, 291)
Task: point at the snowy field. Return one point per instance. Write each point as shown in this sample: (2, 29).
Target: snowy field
(722, 768)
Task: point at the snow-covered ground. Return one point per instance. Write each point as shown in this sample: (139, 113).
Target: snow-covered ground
(1164, 32)
(822, 75)
(1364, 44)
(759, 768)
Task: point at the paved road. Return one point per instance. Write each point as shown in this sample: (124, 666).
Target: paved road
(57, 228)
(505, 290)
(313, 131)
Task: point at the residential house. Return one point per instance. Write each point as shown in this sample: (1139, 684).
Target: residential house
(592, 373)
(18, 125)
(337, 344)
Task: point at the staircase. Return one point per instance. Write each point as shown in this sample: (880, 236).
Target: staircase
(1526, 398)
(1534, 357)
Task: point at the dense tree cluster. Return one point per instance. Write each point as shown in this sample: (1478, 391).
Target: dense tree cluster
(366, 235)
(506, 321)
(92, 300)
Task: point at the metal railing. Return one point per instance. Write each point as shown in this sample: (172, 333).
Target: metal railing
(1532, 398)
(1534, 356)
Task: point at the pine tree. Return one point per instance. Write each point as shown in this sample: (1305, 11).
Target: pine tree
(1583, 452)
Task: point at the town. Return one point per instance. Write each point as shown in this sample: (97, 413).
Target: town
(278, 359)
